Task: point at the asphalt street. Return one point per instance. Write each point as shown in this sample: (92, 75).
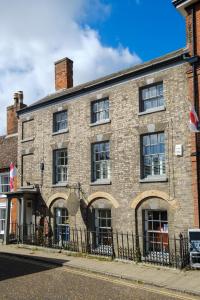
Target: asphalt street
(27, 279)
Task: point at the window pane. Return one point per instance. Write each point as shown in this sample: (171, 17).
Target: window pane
(152, 97)
(156, 215)
(60, 165)
(104, 216)
(4, 182)
(60, 121)
(100, 161)
(146, 140)
(100, 110)
(150, 227)
(2, 214)
(150, 215)
(153, 154)
(164, 216)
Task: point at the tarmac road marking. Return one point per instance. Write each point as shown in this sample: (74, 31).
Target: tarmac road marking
(129, 284)
(106, 278)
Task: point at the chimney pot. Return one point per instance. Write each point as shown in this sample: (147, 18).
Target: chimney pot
(16, 99)
(20, 96)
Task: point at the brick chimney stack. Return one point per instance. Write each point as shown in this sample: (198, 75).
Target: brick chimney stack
(12, 121)
(63, 74)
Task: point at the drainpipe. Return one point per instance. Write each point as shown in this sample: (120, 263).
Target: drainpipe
(195, 98)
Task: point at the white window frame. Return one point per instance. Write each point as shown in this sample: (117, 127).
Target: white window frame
(61, 214)
(148, 153)
(60, 121)
(156, 238)
(2, 220)
(101, 165)
(100, 111)
(7, 174)
(60, 168)
(152, 96)
(102, 232)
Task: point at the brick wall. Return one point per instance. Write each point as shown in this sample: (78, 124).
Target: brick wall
(12, 122)
(195, 146)
(63, 74)
(8, 145)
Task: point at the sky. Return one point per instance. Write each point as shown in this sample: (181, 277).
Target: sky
(100, 36)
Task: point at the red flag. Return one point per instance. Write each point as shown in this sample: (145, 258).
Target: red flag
(13, 173)
(194, 120)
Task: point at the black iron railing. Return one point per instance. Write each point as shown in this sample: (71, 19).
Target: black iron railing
(157, 249)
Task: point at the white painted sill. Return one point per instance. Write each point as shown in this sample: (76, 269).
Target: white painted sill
(100, 123)
(60, 132)
(106, 182)
(151, 111)
(28, 140)
(154, 179)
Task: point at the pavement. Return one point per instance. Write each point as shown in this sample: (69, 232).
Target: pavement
(187, 281)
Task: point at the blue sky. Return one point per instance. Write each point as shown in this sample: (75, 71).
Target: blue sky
(149, 28)
(106, 35)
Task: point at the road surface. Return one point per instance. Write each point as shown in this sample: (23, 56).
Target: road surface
(27, 279)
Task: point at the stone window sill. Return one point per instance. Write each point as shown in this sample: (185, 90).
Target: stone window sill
(28, 140)
(154, 179)
(100, 123)
(60, 132)
(27, 187)
(59, 185)
(105, 182)
(151, 111)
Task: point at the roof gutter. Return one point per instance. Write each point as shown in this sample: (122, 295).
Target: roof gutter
(182, 5)
(196, 100)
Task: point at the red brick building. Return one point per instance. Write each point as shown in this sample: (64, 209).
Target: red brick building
(8, 154)
(191, 10)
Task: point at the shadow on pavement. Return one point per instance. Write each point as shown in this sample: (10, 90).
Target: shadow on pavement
(15, 265)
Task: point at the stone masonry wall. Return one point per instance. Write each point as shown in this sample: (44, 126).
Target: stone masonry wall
(123, 131)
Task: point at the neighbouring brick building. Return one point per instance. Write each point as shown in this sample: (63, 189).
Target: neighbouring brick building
(8, 154)
(115, 152)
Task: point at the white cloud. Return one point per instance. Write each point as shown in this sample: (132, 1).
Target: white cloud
(34, 34)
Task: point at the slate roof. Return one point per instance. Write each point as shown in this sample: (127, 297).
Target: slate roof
(8, 151)
(169, 58)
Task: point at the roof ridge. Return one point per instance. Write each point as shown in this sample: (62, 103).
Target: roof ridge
(108, 77)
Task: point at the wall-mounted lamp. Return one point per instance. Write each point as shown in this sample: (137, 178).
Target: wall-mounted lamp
(41, 166)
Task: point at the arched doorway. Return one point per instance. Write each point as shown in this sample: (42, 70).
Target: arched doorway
(100, 220)
(61, 225)
(100, 210)
(154, 220)
(59, 221)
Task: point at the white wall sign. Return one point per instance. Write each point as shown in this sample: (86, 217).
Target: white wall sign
(179, 150)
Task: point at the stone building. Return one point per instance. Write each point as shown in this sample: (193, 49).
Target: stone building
(8, 154)
(116, 151)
